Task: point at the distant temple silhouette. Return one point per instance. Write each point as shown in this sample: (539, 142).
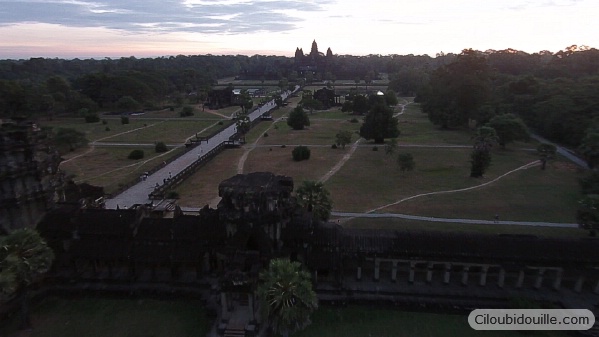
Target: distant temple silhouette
(316, 61)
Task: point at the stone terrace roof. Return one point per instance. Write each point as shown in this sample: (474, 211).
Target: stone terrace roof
(473, 246)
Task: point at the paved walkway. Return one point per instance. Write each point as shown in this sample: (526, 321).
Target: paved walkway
(138, 193)
(450, 220)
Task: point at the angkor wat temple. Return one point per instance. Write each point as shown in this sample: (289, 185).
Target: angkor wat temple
(316, 62)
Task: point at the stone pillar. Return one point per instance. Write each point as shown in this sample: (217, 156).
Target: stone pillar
(251, 304)
(223, 305)
(411, 277)
(429, 272)
(315, 276)
(558, 279)
(483, 276)
(596, 289)
(465, 275)
(520, 279)
(359, 273)
(578, 284)
(501, 278)
(539, 279)
(394, 271)
(447, 273)
(377, 269)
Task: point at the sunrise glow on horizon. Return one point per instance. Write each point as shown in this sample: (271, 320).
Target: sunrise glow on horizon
(86, 29)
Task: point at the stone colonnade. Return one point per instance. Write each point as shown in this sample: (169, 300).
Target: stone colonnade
(467, 273)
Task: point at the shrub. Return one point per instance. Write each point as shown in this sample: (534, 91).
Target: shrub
(283, 146)
(124, 120)
(92, 118)
(107, 129)
(160, 147)
(104, 122)
(187, 111)
(172, 195)
(136, 154)
(300, 153)
(334, 146)
(220, 123)
(265, 134)
(354, 120)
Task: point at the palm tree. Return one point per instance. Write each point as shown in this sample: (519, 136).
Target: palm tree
(24, 256)
(286, 296)
(312, 196)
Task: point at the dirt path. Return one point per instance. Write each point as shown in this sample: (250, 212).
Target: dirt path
(348, 155)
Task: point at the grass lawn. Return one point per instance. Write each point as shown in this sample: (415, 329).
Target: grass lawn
(95, 317)
(279, 161)
(202, 188)
(109, 166)
(376, 322)
(138, 130)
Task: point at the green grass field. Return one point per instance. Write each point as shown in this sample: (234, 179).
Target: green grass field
(95, 317)
(360, 321)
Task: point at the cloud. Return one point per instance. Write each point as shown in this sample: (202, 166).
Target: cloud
(202, 16)
(523, 5)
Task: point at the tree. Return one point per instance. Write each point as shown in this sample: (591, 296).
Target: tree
(186, 111)
(343, 138)
(243, 125)
(313, 197)
(286, 296)
(405, 162)
(245, 101)
(391, 147)
(160, 147)
(279, 101)
(590, 147)
(298, 119)
(136, 154)
(127, 103)
(360, 104)
(300, 153)
(546, 152)
(509, 128)
(480, 158)
(24, 257)
(391, 98)
(312, 104)
(379, 124)
(587, 214)
(456, 91)
(70, 137)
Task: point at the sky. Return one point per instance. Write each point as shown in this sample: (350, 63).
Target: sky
(154, 28)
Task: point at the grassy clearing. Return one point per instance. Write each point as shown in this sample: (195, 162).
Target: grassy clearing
(168, 131)
(320, 132)
(363, 321)
(138, 130)
(279, 161)
(527, 195)
(202, 188)
(94, 317)
(110, 167)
